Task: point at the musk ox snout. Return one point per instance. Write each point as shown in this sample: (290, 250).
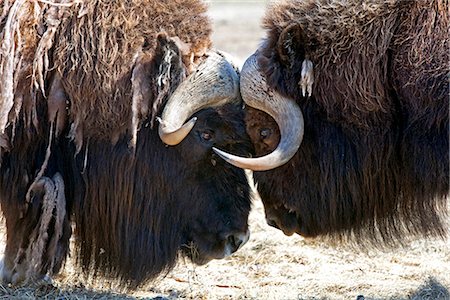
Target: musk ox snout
(204, 248)
(235, 241)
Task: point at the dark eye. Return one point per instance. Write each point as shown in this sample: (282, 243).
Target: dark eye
(206, 135)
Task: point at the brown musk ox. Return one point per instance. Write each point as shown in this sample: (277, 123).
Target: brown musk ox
(361, 89)
(93, 100)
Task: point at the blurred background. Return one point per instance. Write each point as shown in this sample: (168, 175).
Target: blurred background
(236, 27)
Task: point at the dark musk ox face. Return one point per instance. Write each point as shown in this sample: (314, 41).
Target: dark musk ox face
(275, 124)
(265, 136)
(183, 200)
(214, 197)
(218, 195)
(172, 193)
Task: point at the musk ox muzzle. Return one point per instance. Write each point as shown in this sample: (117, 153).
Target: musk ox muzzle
(202, 250)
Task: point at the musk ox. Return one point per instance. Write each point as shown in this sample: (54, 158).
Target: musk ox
(82, 87)
(364, 87)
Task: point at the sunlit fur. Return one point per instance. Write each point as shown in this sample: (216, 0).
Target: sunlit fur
(134, 205)
(374, 161)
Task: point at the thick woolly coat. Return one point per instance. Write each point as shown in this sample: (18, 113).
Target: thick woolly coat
(80, 87)
(374, 161)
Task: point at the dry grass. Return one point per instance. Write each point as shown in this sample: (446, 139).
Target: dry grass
(271, 265)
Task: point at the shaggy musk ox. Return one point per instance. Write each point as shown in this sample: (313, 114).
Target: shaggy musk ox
(91, 96)
(366, 86)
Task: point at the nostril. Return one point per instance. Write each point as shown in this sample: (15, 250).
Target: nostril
(235, 241)
(272, 222)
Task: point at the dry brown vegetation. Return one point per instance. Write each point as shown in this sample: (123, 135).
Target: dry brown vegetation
(271, 265)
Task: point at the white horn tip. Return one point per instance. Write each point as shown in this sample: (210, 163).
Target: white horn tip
(222, 154)
(173, 137)
(240, 162)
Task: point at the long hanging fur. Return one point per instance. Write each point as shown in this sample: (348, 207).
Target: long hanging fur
(81, 83)
(105, 39)
(31, 190)
(101, 38)
(374, 161)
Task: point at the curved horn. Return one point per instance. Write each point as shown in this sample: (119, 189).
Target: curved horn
(286, 113)
(215, 82)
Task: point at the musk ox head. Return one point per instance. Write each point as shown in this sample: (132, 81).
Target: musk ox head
(171, 193)
(208, 99)
(218, 205)
(373, 160)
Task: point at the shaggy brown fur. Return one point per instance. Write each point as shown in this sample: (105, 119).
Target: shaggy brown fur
(34, 205)
(123, 32)
(120, 38)
(374, 160)
(80, 86)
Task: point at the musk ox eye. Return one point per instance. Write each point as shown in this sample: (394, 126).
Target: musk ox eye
(206, 135)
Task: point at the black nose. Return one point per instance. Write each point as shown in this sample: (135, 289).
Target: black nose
(235, 241)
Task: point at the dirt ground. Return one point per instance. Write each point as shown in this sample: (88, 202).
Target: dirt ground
(271, 265)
